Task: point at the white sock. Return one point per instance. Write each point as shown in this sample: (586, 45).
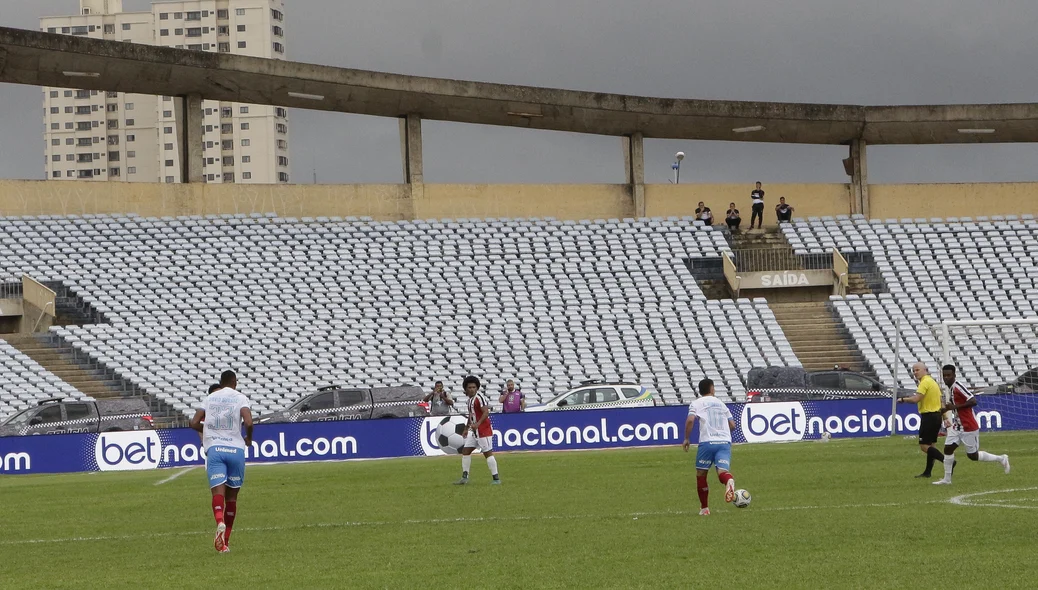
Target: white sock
(949, 462)
(982, 456)
(466, 463)
(492, 464)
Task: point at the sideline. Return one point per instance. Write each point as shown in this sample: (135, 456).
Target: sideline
(461, 520)
(175, 475)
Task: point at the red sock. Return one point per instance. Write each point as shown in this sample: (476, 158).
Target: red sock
(724, 476)
(703, 489)
(218, 508)
(232, 508)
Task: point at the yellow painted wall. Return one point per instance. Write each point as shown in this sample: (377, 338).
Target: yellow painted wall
(808, 200)
(953, 200)
(562, 201)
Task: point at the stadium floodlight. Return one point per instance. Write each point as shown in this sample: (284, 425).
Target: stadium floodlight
(976, 131)
(676, 166)
(306, 96)
(749, 129)
(82, 74)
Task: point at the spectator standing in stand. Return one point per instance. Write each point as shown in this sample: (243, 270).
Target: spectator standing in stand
(512, 400)
(757, 197)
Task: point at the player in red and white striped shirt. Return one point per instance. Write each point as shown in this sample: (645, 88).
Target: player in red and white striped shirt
(964, 428)
(479, 432)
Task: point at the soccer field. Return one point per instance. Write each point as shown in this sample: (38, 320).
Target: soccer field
(824, 515)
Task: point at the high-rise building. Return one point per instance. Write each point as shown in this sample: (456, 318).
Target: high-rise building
(93, 135)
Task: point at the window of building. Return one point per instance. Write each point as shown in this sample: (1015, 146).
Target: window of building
(169, 163)
(81, 94)
(112, 108)
(84, 110)
(167, 130)
(169, 180)
(195, 47)
(280, 112)
(167, 146)
(194, 32)
(70, 125)
(130, 138)
(243, 110)
(113, 123)
(84, 126)
(81, 141)
(163, 32)
(283, 176)
(246, 159)
(111, 94)
(167, 98)
(241, 28)
(227, 144)
(109, 29)
(163, 16)
(130, 122)
(277, 15)
(244, 126)
(279, 32)
(131, 170)
(167, 113)
(55, 126)
(68, 110)
(70, 157)
(229, 177)
(282, 144)
(178, 15)
(112, 140)
(282, 161)
(228, 160)
(56, 174)
(239, 12)
(126, 26)
(210, 161)
(241, 44)
(209, 144)
(93, 124)
(246, 175)
(113, 172)
(279, 48)
(226, 128)
(70, 174)
(113, 156)
(55, 111)
(282, 128)
(55, 158)
(85, 158)
(194, 15)
(52, 29)
(222, 13)
(93, 107)
(223, 30)
(225, 112)
(245, 143)
(224, 47)
(81, 30)
(53, 93)
(129, 106)
(207, 129)
(131, 154)
(68, 94)
(178, 32)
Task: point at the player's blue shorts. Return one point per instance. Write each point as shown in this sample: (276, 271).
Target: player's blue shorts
(225, 465)
(714, 453)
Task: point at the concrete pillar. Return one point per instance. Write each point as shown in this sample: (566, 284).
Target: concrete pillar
(189, 135)
(859, 172)
(634, 170)
(411, 154)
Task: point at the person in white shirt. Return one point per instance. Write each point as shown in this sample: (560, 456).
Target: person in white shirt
(715, 442)
(757, 210)
(220, 421)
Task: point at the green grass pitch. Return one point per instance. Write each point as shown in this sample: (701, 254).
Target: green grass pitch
(843, 514)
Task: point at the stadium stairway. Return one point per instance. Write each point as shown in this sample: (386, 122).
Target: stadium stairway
(87, 375)
(818, 338)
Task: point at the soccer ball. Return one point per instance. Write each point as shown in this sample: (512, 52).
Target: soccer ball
(448, 434)
(742, 499)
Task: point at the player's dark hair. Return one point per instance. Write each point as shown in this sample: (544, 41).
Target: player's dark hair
(948, 368)
(470, 379)
(214, 387)
(227, 378)
(705, 385)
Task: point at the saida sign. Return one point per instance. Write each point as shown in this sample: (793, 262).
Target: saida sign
(786, 278)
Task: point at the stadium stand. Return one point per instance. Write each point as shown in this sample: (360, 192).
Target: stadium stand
(297, 303)
(936, 270)
(25, 382)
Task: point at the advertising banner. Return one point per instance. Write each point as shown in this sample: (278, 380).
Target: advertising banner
(541, 431)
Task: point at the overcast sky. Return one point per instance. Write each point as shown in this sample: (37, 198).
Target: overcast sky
(879, 52)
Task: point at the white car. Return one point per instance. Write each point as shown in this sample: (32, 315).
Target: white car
(593, 395)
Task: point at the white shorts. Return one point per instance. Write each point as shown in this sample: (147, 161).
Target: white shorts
(970, 440)
(485, 444)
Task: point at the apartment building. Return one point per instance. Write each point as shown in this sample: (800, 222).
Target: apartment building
(93, 135)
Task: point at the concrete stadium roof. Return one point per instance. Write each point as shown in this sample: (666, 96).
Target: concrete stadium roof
(42, 59)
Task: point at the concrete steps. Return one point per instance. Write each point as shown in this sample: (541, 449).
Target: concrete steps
(817, 338)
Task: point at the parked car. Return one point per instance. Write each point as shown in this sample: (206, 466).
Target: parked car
(1025, 383)
(780, 384)
(592, 395)
(57, 416)
(352, 403)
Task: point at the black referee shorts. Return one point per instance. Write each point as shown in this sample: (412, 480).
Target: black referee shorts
(929, 427)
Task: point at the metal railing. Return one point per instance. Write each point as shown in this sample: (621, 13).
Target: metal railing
(765, 260)
(11, 290)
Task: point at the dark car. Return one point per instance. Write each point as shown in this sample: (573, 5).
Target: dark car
(353, 403)
(780, 384)
(56, 416)
(1025, 383)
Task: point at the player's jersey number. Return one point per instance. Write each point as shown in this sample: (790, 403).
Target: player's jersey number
(220, 417)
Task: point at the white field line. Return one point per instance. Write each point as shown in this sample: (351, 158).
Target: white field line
(174, 476)
(967, 499)
(425, 521)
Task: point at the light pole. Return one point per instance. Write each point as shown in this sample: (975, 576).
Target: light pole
(676, 166)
